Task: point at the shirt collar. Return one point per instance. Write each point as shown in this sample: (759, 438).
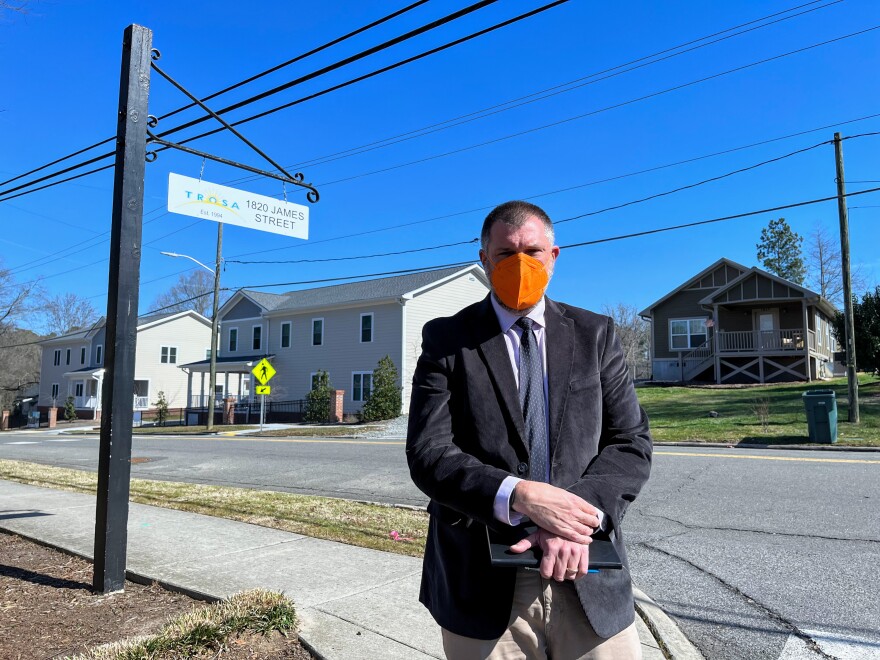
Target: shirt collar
(506, 319)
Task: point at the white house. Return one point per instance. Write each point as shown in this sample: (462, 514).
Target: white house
(344, 330)
(73, 364)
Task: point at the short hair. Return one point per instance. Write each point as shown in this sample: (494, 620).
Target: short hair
(515, 214)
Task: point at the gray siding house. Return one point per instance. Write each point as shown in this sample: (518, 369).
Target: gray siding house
(344, 330)
(734, 324)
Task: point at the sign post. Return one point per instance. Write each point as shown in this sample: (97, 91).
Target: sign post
(263, 371)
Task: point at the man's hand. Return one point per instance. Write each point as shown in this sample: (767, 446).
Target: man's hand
(562, 560)
(556, 510)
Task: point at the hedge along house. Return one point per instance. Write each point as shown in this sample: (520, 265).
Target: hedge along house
(73, 364)
(734, 324)
(344, 330)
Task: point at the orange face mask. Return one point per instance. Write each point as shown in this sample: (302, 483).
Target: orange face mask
(519, 281)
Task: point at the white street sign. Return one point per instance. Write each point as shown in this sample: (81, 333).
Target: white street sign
(211, 201)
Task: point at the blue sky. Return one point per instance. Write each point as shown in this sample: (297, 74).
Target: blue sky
(60, 85)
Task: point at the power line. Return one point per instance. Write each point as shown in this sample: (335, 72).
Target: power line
(298, 58)
(595, 112)
(549, 92)
(363, 256)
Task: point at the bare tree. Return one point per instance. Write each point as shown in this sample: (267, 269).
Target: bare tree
(65, 312)
(634, 335)
(20, 357)
(824, 267)
(15, 300)
(194, 290)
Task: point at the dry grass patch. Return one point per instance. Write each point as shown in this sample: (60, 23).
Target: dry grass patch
(354, 523)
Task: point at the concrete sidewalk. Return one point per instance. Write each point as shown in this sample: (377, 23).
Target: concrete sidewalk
(353, 603)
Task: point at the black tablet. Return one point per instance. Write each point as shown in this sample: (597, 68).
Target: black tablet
(603, 555)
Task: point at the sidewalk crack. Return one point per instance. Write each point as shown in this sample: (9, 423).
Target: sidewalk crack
(378, 633)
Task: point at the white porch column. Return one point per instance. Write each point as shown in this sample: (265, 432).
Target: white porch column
(189, 388)
(202, 400)
(808, 371)
(99, 391)
(225, 384)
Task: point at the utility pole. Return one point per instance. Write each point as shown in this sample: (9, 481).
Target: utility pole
(849, 327)
(114, 457)
(214, 325)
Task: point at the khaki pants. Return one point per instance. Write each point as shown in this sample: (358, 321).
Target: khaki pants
(546, 621)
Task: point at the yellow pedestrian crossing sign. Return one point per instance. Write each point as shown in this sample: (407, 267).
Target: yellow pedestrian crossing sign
(263, 371)
(264, 389)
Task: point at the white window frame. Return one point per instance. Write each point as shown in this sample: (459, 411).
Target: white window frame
(819, 329)
(99, 354)
(207, 352)
(79, 387)
(67, 354)
(165, 355)
(360, 388)
(56, 358)
(229, 339)
(312, 331)
(312, 379)
(54, 391)
(82, 355)
(372, 328)
(253, 333)
(289, 334)
(690, 334)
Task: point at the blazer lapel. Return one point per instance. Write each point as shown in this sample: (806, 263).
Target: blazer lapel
(493, 347)
(559, 342)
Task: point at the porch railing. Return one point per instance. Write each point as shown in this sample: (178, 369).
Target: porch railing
(824, 349)
(85, 402)
(760, 340)
(201, 400)
(141, 402)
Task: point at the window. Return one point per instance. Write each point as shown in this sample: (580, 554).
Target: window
(78, 389)
(82, 355)
(366, 328)
(687, 333)
(257, 338)
(233, 340)
(67, 356)
(54, 391)
(313, 379)
(361, 385)
(317, 332)
(99, 354)
(169, 355)
(207, 353)
(285, 335)
(57, 357)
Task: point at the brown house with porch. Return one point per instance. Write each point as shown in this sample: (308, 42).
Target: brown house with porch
(734, 324)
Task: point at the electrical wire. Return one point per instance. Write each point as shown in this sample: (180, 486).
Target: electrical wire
(298, 58)
(363, 256)
(549, 92)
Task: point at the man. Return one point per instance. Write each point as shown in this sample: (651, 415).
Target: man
(522, 407)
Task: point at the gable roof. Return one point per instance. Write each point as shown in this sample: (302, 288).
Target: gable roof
(142, 323)
(696, 278)
(386, 288)
(804, 292)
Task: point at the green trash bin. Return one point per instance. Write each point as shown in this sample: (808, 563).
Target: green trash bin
(821, 406)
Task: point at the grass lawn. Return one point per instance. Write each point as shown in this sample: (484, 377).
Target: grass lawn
(682, 413)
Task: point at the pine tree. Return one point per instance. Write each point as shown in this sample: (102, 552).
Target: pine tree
(69, 409)
(161, 409)
(385, 400)
(318, 400)
(780, 251)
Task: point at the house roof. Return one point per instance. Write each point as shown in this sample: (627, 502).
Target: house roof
(723, 260)
(355, 292)
(142, 322)
(808, 294)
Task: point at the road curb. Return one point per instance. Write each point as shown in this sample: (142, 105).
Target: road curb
(727, 445)
(671, 640)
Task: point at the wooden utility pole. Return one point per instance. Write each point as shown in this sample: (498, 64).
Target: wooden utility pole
(851, 377)
(114, 458)
(213, 375)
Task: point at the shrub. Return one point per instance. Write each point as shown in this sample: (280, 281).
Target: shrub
(161, 409)
(318, 400)
(385, 400)
(69, 409)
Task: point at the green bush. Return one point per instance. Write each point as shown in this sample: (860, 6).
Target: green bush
(161, 409)
(318, 400)
(385, 400)
(69, 409)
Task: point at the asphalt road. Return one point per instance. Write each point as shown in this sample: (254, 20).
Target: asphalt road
(757, 554)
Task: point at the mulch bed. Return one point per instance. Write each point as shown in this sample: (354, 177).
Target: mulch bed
(48, 609)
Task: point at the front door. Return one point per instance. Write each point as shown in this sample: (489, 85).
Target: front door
(766, 325)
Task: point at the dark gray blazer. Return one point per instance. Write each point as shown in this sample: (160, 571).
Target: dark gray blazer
(466, 435)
